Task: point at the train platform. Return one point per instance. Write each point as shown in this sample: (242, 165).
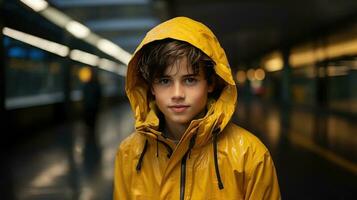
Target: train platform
(315, 155)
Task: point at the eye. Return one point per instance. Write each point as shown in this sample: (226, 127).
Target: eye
(163, 81)
(190, 81)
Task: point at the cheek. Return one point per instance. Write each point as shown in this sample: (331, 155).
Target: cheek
(160, 96)
(156, 92)
(199, 95)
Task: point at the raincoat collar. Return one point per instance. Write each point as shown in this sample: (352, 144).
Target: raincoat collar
(219, 111)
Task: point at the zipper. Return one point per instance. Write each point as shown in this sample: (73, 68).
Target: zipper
(183, 177)
(183, 167)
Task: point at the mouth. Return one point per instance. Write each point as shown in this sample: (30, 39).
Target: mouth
(179, 108)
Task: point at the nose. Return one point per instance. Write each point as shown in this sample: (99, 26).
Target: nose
(178, 92)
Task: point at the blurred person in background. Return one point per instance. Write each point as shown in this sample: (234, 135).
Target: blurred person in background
(92, 94)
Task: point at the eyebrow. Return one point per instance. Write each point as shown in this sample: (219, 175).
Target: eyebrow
(163, 76)
(186, 75)
(189, 75)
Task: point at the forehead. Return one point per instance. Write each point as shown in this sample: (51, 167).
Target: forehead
(179, 67)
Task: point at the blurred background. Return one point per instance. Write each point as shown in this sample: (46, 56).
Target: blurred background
(64, 110)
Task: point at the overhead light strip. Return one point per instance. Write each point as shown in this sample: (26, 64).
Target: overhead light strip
(112, 66)
(62, 50)
(114, 50)
(57, 17)
(84, 57)
(38, 42)
(36, 5)
(78, 30)
(88, 3)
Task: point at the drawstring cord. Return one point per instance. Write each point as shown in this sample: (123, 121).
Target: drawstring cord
(216, 166)
(192, 142)
(157, 146)
(138, 166)
(169, 150)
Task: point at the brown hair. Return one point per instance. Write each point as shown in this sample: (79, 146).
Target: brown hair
(158, 55)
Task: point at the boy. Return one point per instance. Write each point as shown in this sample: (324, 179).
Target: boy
(182, 93)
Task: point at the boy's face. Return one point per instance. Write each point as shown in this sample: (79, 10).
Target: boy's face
(180, 94)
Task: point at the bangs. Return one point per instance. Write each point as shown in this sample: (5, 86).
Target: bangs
(157, 56)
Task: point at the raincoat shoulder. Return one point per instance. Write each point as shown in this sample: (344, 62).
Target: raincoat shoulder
(251, 162)
(132, 144)
(238, 137)
(125, 159)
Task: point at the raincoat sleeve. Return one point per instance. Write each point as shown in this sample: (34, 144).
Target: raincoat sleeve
(261, 179)
(121, 176)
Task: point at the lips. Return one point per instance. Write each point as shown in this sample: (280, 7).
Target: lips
(179, 108)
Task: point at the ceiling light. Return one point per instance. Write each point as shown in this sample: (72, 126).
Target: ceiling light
(85, 74)
(114, 50)
(250, 75)
(241, 76)
(84, 57)
(38, 42)
(56, 16)
(108, 65)
(36, 5)
(273, 62)
(77, 29)
(259, 74)
(111, 66)
(92, 39)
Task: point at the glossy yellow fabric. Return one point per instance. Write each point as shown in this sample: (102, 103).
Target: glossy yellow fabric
(245, 165)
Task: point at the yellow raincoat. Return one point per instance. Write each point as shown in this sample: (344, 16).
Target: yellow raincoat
(215, 159)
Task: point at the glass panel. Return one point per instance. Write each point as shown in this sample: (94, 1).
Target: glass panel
(33, 76)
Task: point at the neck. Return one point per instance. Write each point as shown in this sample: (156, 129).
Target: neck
(175, 131)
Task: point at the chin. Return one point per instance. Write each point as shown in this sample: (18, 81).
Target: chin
(181, 120)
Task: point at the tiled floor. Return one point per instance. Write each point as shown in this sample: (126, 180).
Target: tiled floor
(315, 155)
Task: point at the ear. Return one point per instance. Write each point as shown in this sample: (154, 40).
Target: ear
(212, 85)
(152, 91)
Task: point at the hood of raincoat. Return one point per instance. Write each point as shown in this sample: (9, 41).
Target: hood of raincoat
(219, 111)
